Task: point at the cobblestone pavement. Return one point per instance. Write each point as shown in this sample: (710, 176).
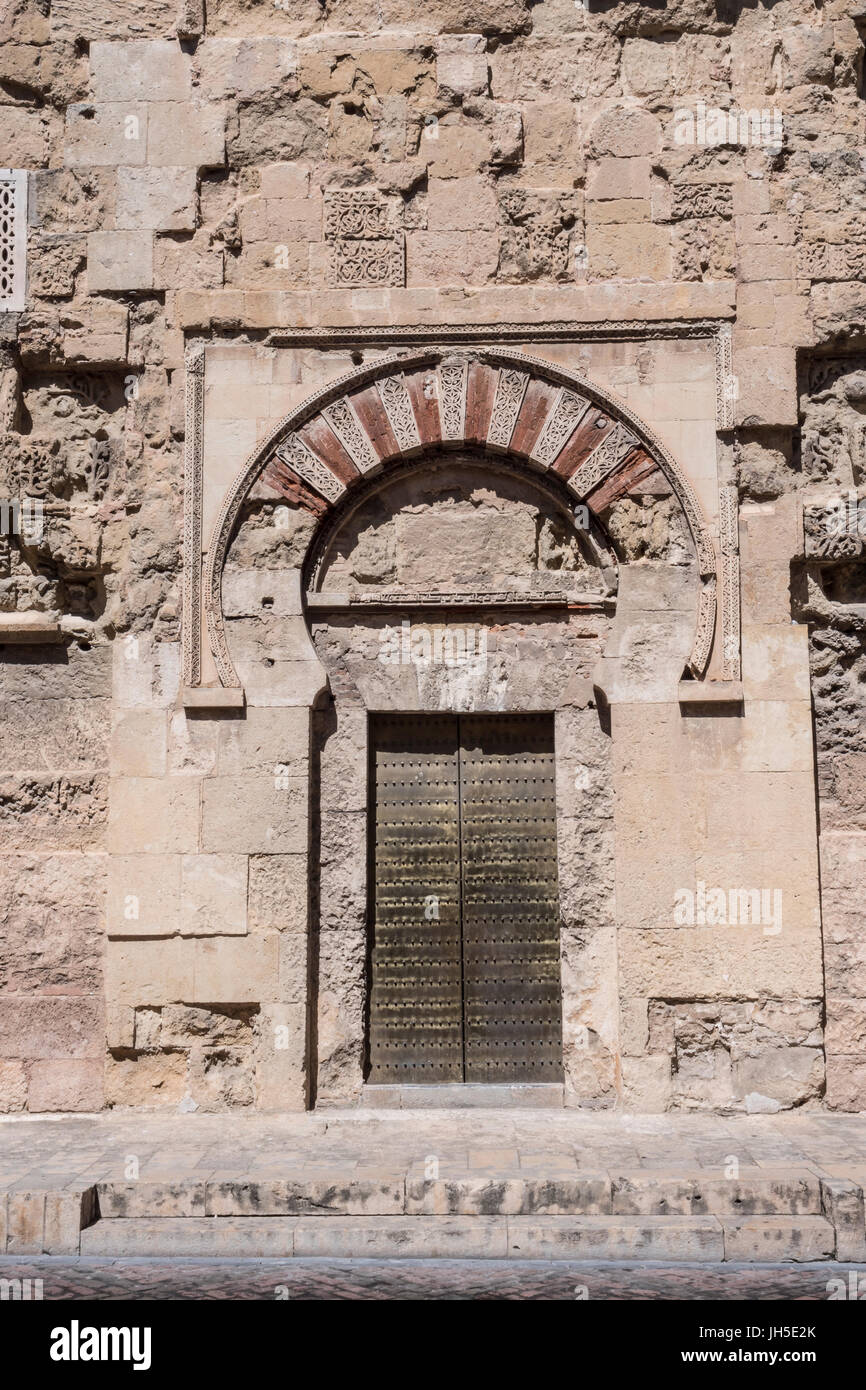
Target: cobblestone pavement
(490, 1280)
(52, 1153)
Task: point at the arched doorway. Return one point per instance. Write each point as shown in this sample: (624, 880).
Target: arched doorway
(425, 500)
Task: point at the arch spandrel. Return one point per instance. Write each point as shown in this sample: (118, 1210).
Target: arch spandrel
(551, 420)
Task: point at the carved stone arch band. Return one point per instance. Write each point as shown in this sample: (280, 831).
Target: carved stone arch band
(551, 419)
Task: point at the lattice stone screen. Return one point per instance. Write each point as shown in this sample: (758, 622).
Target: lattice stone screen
(13, 238)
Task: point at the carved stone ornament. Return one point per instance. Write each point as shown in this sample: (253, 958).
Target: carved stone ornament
(343, 420)
(613, 450)
(13, 239)
(510, 390)
(366, 242)
(701, 200)
(398, 408)
(193, 463)
(836, 530)
(453, 378)
(355, 264)
(295, 454)
(729, 543)
(358, 214)
(568, 408)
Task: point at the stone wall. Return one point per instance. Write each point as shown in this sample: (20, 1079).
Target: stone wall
(304, 187)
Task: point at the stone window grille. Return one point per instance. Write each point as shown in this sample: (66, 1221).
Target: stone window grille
(13, 239)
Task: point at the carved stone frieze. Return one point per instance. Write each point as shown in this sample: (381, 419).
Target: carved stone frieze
(835, 530)
(701, 200)
(729, 544)
(192, 509)
(824, 260)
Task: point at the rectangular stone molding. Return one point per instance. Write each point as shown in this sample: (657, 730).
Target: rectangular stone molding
(13, 240)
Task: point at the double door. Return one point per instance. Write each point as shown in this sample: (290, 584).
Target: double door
(465, 972)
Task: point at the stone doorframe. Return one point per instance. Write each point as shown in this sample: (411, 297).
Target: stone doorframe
(507, 402)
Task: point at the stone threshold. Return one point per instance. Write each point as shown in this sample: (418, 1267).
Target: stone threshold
(463, 1095)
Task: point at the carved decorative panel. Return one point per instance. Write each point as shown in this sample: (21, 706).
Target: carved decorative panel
(398, 408)
(510, 390)
(343, 420)
(295, 454)
(366, 242)
(730, 547)
(13, 239)
(559, 427)
(701, 200)
(453, 380)
(611, 452)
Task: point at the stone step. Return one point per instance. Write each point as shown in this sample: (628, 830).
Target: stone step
(646, 1192)
(680, 1238)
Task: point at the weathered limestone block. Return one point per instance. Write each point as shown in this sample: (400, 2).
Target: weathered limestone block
(151, 815)
(51, 1028)
(235, 970)
(66, 1085)
(187, 133)
(139, 743)
(281, 1076)
(54, 262)
(143, 895)
(24, 138)
(341, 1012)
(222, 1079)
(107, 134)
(88, 19)
(139, 70)
(278, 892)
(461, 65)
(255, 812)
(52, 923)
(213, 895)
(44, 812)
(149, 1081)
(227, 67)
(161, 200)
